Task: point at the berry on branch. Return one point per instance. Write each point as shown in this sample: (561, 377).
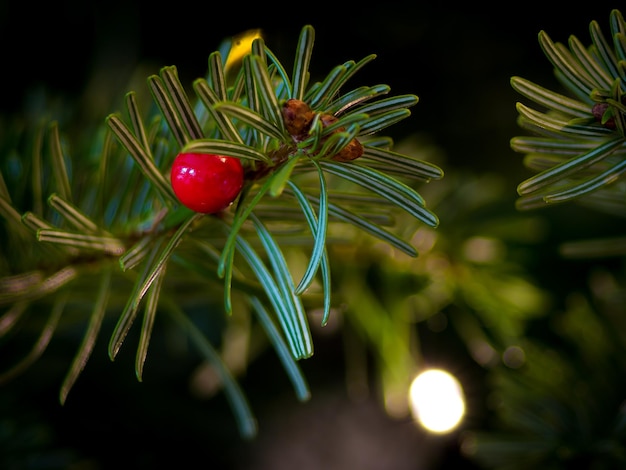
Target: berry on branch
(206, 183)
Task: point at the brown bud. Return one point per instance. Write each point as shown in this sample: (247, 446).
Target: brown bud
(598, 111)
(328, 119)
(350, 152)
(297, 116)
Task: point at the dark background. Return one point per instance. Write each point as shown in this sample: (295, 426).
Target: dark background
(457, 60)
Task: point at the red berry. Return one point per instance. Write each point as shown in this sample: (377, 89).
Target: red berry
(206, 183)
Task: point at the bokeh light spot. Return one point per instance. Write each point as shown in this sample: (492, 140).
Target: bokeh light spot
(437, 401)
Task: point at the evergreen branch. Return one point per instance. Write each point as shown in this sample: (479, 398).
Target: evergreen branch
(542, 145)
(541, 162)
(200, 108)
(59, 167)
(237, 91)
(388, 105)
(550, 99)
(620, 47)
(394, 191)
(316, 141)
(281, 88)
(108, 245)
(327, 88)
(300, 75)
(275, 296)
(238, 113)
(382, 121)
(280, 70)
(282, 176)
(168, 110)
(559, 126)
(210, 98)
(402, 164)
(181, 102)
(244, 417)
(35, 224)
(286, 287)
(216, 76)
(580, 189)
(241, 215)
(127, 317)
(222, 147)
(582, 155)
(155, 268)
(323, 94)
(603, 49)
(318, 227)
(269, 103)
(138, 128)
(371, 204)
(142, 157)
(159, 264)
(617, 108)
(72, 214)
(152, 301)
(565, 64)
(258, 49)
(251, 135)
(251, 94)
(355, 98)
(597, 73)
(281, 210)
(86, 347)
(530, 202)
(251, 118)
(345, 122)
(618, 29)
(536, 128)
(238, 279)
(137, 253)
(319, 256)
(286, 358)
(566, 83)
(353, 69)
(570, 167)
(368, 227)
(228, 284)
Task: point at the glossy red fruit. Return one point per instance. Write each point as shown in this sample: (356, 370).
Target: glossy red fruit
(206, 183)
